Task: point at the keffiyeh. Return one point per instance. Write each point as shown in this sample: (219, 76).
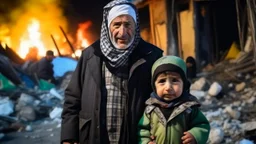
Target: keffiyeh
(116, 57)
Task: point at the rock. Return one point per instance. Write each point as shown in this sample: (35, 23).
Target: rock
(27, 113)
(198, 94)
(233, 113)
(240, 87)
(216, 136)
(54, 92)
(251, 100)
(1, 136)
(28, 128)
(199, 84)
(215, 89)
(6, 106)
(249, 126)
(230, 85)
(24, 100)
(56, 113)
(27, 99)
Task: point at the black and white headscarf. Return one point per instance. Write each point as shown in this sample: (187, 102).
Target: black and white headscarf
(116, 57)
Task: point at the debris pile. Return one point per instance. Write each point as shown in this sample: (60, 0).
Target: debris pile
(228, 95)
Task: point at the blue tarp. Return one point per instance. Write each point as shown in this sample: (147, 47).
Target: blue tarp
(61, 65)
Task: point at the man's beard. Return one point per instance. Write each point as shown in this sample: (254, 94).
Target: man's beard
(112, 39)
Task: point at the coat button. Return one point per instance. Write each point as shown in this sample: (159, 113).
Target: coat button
(98, 126)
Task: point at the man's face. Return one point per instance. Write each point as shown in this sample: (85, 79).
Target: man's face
(169, 85)
(49, 57)
(122, 30)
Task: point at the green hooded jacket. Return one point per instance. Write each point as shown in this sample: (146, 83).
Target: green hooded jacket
(184, 117)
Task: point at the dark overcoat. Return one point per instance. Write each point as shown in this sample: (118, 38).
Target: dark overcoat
(84, 110)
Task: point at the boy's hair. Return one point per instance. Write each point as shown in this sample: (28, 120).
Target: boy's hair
(172, 64)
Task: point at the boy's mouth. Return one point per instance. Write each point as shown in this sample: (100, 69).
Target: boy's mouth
(169, 95)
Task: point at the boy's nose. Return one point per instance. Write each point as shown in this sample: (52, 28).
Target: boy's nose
(168, 85)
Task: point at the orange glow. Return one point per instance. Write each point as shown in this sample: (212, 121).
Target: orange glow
(81, 34)
(4, 38)
(32, 39)
(32, 24)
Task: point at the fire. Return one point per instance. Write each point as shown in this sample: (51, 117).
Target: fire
(4, 38)
(33, 23)
(32, 39)
(81, 34)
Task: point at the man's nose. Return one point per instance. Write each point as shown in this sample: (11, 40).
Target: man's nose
(122, 31)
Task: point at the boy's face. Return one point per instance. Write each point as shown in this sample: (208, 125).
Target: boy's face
(169, 85)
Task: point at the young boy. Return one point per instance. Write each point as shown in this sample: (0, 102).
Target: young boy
(172, 115)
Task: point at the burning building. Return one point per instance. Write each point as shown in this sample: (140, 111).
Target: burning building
(37, 24)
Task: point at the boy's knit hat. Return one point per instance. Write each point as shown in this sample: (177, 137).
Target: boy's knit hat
(170, 63)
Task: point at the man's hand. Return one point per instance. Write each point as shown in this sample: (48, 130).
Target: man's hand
(188, 138)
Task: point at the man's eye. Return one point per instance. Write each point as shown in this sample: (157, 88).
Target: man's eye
(127, 24)
(116, 25)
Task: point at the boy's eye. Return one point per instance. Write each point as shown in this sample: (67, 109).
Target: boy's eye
(175, 80)
(162, 80)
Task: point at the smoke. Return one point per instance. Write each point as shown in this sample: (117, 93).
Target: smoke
(17, 15)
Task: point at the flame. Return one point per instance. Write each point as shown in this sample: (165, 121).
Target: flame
(32, 39)
(4, 38)
(81, 34)
(33, 22)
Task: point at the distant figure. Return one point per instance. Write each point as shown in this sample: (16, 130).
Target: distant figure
(44, 68)
(191, 67)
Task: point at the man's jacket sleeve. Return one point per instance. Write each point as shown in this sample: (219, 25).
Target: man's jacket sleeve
(72, 104)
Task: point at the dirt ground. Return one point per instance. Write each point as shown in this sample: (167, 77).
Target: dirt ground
(42, 133)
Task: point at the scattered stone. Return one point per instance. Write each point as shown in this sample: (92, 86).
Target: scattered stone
(6, 106)
(1, 136)
(251, 100)
(56, 113)
(249, 126)
(215, 89)
(216, 136)
(240, 87)
(54, 92)
(233, 113)
(198, 94)
(28, 128)
(27, 113)
(199, 84)
(230, 85)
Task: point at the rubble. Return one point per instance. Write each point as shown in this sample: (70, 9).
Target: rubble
(23, 107)
(228, 99)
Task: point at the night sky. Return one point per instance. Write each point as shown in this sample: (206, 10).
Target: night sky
(78, 11)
